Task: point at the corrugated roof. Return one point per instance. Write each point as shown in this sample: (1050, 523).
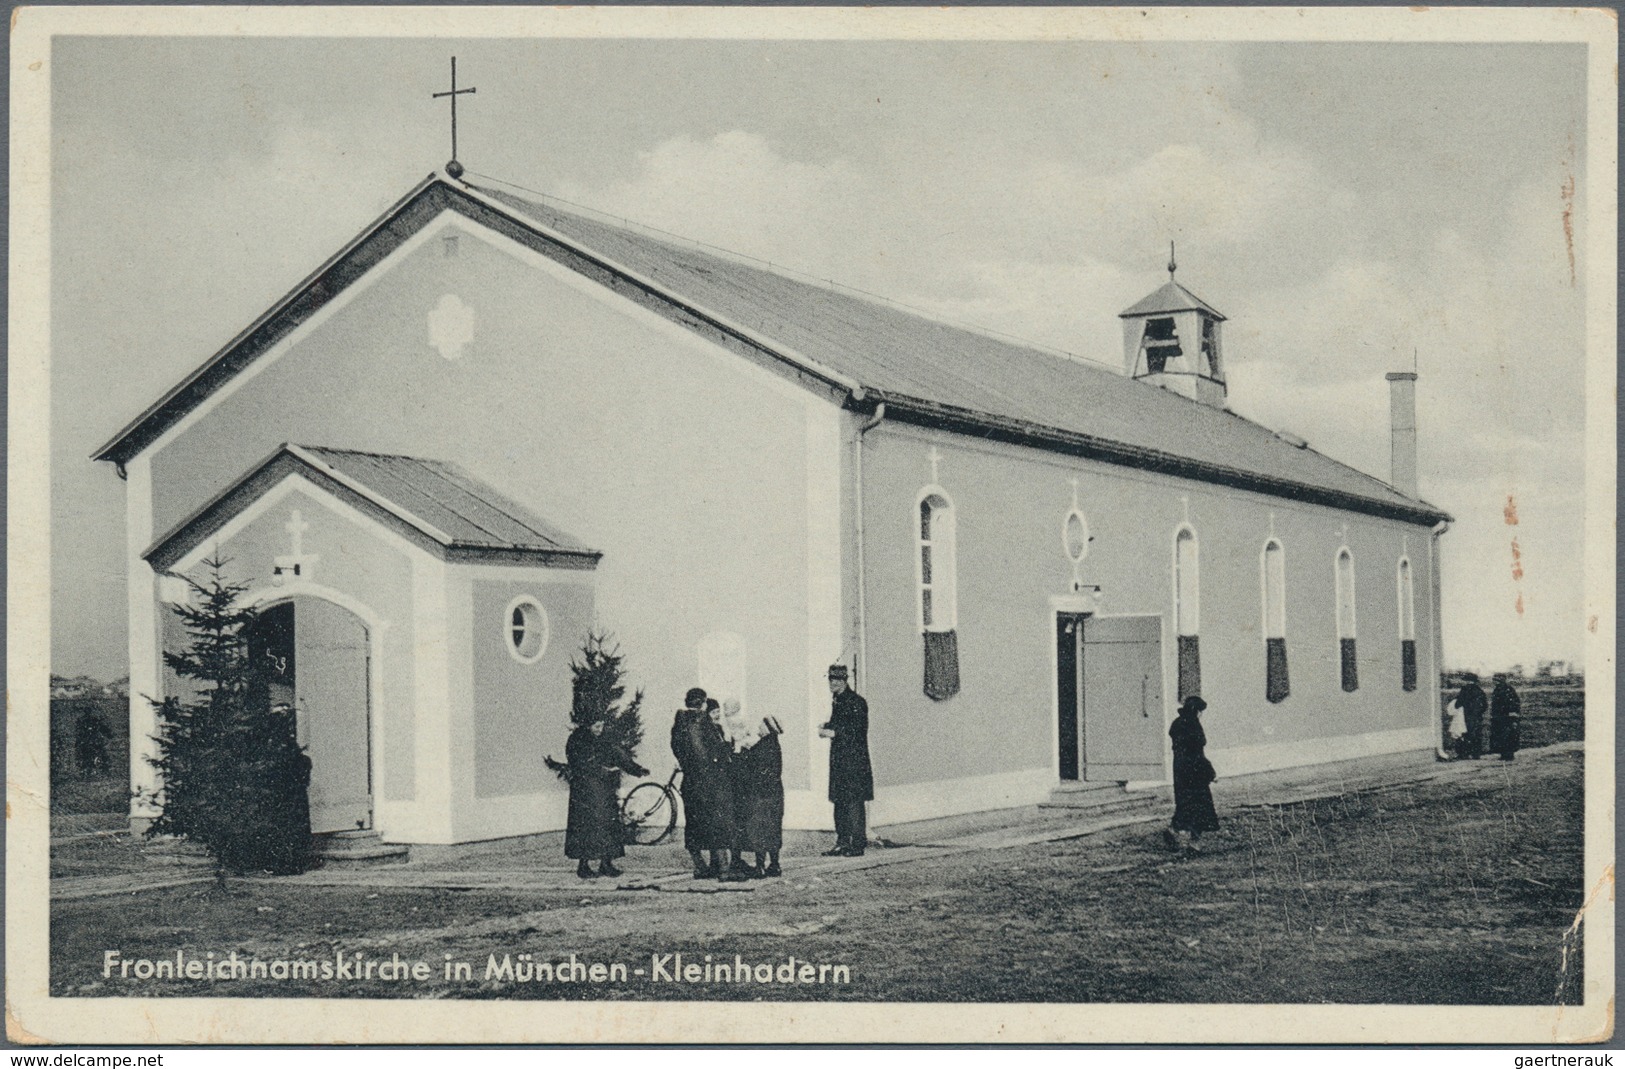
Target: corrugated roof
(897, 353)
(1170, 297)
(455, 508)
(431, 501)
(953, 377)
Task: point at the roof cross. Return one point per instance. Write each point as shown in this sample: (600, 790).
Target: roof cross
(454, 168)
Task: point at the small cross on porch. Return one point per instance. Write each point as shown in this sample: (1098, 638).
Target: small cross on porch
(296, 564)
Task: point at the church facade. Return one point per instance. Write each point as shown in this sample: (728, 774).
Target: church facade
(487, 427)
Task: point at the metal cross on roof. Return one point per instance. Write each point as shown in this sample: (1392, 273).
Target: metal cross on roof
(454, 168)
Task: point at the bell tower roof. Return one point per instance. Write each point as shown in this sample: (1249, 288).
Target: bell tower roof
(1172, 297)
(1171, 339)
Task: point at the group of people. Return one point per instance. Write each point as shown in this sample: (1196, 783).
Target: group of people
(1466, 726)
(732, 789)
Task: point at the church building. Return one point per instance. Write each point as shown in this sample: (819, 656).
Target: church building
(488, 426)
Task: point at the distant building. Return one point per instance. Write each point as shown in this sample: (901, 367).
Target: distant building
(487, 425)
(1555, 670)
(77, 687)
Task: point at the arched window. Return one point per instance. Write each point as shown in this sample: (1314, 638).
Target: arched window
(1187, 611)
(1273, 565)
(1407, 626)
(1345, 619)
(938, 604)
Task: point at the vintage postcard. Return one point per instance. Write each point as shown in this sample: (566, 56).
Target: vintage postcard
(1042, 525)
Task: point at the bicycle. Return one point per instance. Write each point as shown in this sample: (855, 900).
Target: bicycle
(649, 811)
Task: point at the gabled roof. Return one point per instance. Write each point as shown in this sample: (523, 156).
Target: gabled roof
(432, 503)
(1171, 297)
(865, 352)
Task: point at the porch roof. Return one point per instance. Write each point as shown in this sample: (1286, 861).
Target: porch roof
(434, 504)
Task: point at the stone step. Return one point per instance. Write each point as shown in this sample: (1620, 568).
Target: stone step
(1098, 797)
(1124, 804)
(357, 846)
(1079, 786)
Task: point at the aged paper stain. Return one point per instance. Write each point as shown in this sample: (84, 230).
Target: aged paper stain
(14, 1028)
(1511, 512)
(1568, 224)
(1571, 939)
(1517, 561)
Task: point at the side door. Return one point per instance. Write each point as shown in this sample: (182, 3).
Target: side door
(1123, 720)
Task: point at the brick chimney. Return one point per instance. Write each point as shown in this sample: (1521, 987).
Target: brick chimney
(1402, 440)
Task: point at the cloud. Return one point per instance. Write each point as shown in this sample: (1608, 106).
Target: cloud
(1037, 247)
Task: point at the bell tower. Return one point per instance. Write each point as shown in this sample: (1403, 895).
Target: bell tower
(1171, 339)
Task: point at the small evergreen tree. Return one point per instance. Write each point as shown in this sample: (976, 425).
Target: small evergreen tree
(232, 777)
(597, 687)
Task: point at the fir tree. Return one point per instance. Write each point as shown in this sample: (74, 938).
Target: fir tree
(232, 777)
(597, 687)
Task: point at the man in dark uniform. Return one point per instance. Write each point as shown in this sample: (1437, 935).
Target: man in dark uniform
(851, 780)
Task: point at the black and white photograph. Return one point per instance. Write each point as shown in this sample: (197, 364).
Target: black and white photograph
(811, 525)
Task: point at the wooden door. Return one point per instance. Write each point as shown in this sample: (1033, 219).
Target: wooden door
(1123, 722)
(331, 651)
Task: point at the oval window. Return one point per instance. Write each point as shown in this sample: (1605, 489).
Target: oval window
(524, 626)
(1075, 536)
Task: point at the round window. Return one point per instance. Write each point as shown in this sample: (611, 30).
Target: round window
(1075, 536)
(524, 627)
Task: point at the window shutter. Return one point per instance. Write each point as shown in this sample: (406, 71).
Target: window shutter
(941, 665)
(1276, 684)
(1190, 667)
(1351, 671)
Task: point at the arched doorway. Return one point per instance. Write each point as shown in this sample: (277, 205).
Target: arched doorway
(316, 657)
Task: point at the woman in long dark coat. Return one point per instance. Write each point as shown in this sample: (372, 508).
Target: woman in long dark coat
(703, 754)
(593, 827)
(284, 845)
(1505, 708)
(759, 796)
(1193, 775)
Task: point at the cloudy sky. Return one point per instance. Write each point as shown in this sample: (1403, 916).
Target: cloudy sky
(1346, 205)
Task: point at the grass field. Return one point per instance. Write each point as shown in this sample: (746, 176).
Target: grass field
(1459, 890)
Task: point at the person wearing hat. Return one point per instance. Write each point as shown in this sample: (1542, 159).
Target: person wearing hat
(851, 779)
(759, 795)
(1193, 777)
(1473, 704)
(592, 830)
(1505, 708)
(702, 753)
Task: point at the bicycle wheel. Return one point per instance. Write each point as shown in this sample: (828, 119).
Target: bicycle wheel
(648, 814)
